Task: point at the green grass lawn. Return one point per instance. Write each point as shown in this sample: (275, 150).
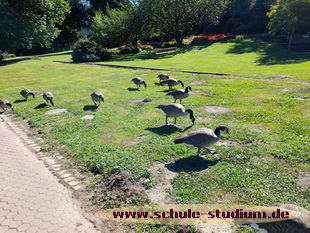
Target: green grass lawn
(269, 127)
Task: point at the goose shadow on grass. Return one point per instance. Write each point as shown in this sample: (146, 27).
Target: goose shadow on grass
(133, 89)
(169, 90)
(165, 130)
(90, 108)
(191, 164)
(41, 106)
(19, 101)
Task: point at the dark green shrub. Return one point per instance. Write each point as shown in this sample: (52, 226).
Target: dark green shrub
(169, 44)
(126, 50)
(86, 50)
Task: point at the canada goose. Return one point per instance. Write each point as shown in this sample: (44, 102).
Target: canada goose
(180, 94)
(26, 93)
(48, 96)
(163, 77)
(97, 97)
(138, 82)
(171, 82)
(176, 110)
(202, 138)
(5, 104)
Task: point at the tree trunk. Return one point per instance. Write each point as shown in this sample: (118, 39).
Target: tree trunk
(179, 41)
(290, 40)
(135, 46)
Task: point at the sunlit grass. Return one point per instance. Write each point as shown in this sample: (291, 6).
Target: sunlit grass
(269, 125)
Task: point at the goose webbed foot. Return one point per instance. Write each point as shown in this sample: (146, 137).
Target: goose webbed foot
(211, 151)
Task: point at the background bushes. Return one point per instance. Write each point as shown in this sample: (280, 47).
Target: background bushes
(87, 50)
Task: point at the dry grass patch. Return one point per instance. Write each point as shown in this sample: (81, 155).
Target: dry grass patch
(217, 109)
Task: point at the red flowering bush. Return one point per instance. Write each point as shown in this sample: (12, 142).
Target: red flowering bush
(217, 37)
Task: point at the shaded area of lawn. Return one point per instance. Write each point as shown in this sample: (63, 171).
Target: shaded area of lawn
(269, 54)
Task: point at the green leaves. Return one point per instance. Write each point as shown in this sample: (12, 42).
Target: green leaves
(24, 23)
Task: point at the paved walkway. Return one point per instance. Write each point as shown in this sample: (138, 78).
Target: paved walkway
(31, 198)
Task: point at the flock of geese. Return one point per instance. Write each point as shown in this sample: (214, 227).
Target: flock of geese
(200, 138)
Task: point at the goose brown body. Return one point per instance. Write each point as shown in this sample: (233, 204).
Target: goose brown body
(97, 97)
(139, 82)
(201, 138)
(180, 94)
(48, 96)
(26, 93)
(163, 77)
(175, 110)
(171, 82)
(4, 104)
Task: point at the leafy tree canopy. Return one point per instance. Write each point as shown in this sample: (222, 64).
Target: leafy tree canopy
(119, 26)
(177, 18)
(24, 23)
(288, 14)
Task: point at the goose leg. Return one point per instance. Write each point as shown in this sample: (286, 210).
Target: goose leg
(198, 153)
(167, 120)
(95, 103)
(175, 100)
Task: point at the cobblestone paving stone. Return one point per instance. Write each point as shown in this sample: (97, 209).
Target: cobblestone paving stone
(31, 198)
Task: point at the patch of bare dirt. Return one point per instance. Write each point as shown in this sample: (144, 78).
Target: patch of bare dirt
(259, 128)
(217, 228)
(148, 115)
(163, 174)
(198, 82)
(134, 141)
(55, 111)
(281, 76)
(301, 97)
(296, 89)
(122, 109)
(217, 109)
(304, 179)
(204, 119)
(88, 117)
(194, 92)
(229, 143)
(140, 101)
(117, 189)
(210, 94)
(108, 136)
